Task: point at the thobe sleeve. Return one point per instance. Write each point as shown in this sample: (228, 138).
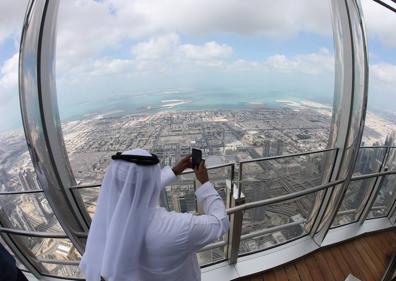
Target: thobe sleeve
(167, 176)
(206, 228)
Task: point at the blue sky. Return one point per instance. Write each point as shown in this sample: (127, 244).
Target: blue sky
(129, 46)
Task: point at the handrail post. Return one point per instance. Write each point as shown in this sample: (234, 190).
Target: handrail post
(236, 226)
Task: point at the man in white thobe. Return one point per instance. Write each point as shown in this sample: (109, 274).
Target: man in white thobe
(133, 239)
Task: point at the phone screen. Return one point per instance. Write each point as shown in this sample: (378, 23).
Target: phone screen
(196, 157)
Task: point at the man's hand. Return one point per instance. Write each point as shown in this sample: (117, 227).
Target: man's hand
(182, 165)
(201, 172)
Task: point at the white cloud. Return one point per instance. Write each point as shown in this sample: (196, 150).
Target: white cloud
(157, 54)
(11, 17)
(87, 28)
(380, 23)
(167, 53)
(210, 50)
(168, 49)
(384, 72)
(9, 77)
(157, 48)
(245, 65)
(281, 63)
(108, 66)
(261, 17)
(311, 63)
(9, 99)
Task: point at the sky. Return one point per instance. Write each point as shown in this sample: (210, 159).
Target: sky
(117, 47)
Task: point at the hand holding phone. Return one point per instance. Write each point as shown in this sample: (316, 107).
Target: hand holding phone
(201, 172)
(196, 158)
(182, 165)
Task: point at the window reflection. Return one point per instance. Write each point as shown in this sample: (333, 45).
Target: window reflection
(385, 199)
(369, 161)
(30, 212)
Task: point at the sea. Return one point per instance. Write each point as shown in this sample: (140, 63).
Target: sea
(168, 100)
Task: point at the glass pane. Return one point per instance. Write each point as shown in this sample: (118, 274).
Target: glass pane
(369, 161)
(17, 172)
(352, 203)
(220, 177)
(90, 198)
(49, 248)
(65, 271)
(274, 177)
(180, 196)
(221, 88)
(270, 178)
(30, 212)
(385, 198)
(211, 256)
(391, 161)
(38, 249)
(380, 119)
(288, 217)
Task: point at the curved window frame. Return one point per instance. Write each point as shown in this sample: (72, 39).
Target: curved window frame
(46, 146)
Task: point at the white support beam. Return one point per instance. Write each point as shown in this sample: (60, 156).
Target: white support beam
(349, 108)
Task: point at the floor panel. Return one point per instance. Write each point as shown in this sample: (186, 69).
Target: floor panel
(365, 257)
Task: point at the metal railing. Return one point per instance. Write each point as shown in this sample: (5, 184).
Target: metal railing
(187, 172)
(286, 156)
(282, 198)
(352, 211)
(235, 209)
(21, 192)
(32, 233)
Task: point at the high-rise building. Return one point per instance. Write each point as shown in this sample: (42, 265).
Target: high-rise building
(267, 148)
(279, 147)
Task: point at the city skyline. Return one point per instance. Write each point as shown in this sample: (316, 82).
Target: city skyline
(227, 136)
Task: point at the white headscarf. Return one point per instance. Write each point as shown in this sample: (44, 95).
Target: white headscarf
(127, 200)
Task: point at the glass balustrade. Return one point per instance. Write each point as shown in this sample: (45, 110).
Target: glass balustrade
(369, 161)
(263, 227)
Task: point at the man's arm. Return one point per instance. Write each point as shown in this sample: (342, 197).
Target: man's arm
(211, 226)
(204, 229)
(167, 176)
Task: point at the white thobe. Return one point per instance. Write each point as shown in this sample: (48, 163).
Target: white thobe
(172, 239)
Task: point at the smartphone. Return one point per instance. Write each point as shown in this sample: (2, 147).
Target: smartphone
(196, 157)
